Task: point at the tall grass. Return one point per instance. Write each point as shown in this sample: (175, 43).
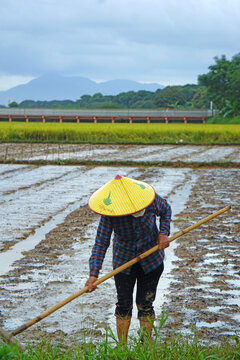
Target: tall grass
(140, 348)
(120, 133)
(170, 349)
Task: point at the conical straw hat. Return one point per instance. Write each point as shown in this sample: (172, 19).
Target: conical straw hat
(121, 196)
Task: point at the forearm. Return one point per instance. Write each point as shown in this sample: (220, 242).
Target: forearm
(99, 249)
(96, 259)
(165, 214)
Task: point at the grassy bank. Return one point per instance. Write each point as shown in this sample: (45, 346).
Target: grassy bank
(138, 348)
(198, 134)
(118, 163)
(172, 349)
(222, 120)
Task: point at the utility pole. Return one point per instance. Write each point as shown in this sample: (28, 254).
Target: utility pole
(211, 107)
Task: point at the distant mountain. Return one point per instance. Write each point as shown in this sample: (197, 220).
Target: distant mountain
(57, 87)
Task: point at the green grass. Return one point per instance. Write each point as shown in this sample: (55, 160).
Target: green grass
(222, 120)
(170, 349)
(138, 348)
(120, 133)
(131, 163)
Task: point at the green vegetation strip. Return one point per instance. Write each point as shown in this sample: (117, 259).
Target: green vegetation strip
(101, 133)
(171, 349)
(117, 163)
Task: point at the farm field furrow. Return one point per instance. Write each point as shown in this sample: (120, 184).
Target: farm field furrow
(54, 152)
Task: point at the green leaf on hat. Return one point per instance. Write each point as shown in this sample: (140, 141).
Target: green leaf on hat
(107, 201)
(141, 186)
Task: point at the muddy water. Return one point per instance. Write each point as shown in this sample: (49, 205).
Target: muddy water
(47, 232)
(53, 152)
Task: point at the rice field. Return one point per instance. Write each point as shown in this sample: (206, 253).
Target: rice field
(102, 133)
(59, 231)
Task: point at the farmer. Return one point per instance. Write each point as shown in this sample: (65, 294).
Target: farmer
(129, 209)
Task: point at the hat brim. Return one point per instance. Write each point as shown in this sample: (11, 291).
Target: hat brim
(121, 196)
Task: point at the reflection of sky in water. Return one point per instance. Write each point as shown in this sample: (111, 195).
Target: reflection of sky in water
(143, 153)
(33, 196)
(83, 155)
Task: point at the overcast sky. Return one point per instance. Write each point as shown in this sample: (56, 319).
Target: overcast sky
(165, 41)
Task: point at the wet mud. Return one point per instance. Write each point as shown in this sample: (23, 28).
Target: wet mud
(200, 288)
(206, 275)
(54, 152)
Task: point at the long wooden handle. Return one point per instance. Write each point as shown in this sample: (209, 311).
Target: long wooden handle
(114, 272)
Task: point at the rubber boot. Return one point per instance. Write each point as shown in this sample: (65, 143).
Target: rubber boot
(122, 329)
(145, 324)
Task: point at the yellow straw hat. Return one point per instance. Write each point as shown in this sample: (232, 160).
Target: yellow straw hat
(121, 196)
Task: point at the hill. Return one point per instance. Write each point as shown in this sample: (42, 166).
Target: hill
(57, 87)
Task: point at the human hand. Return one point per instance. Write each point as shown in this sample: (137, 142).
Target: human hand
(91, 280)
(163, 241)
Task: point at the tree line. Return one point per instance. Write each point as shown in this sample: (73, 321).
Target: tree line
(178, 97)
(221, 85)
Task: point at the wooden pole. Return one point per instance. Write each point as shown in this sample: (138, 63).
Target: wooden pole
(114, 272)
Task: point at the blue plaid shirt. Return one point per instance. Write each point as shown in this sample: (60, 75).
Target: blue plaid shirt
(132, 237)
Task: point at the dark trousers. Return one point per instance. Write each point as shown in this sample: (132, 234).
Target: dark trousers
(146, 292)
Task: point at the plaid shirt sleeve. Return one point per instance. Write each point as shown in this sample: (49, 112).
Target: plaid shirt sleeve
(163, 210)
(102, 242)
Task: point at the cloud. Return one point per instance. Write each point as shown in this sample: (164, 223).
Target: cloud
(145, 40)
(8, 81)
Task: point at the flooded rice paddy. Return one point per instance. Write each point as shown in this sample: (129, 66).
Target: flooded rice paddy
(54, 152)
(47, 232)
